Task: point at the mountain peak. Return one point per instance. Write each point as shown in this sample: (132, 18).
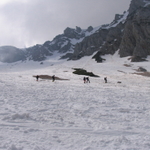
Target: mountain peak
(135, 4)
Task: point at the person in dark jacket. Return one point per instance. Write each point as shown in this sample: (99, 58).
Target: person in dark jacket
(84, 79)
(53, 78)
(105, 79)
(87, 80)
(37, 77)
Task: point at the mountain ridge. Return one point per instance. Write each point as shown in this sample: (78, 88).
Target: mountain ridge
(129, 33)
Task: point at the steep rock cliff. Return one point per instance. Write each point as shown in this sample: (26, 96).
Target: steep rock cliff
(136, 38)
(129, 33)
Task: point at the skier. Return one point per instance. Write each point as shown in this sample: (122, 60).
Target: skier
(84, 79)
(37, 77)
(53, 78)
(87, 80)
(105, 79)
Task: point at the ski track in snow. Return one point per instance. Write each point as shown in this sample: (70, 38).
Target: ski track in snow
(71, 115)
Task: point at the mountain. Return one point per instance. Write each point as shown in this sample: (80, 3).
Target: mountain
(128, 33)
(11, 54)
(136, 38)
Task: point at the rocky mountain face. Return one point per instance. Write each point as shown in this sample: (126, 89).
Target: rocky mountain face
(128, 33)
(63, 44)
(136, 38)
(105, 40)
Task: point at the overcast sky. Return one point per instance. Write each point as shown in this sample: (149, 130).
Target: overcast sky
(24, 23)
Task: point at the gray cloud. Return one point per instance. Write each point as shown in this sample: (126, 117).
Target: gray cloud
(25, 23)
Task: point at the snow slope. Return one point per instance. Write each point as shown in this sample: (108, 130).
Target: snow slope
(71, 115)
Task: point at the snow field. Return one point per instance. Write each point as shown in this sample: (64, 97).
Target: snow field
(71, 115)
